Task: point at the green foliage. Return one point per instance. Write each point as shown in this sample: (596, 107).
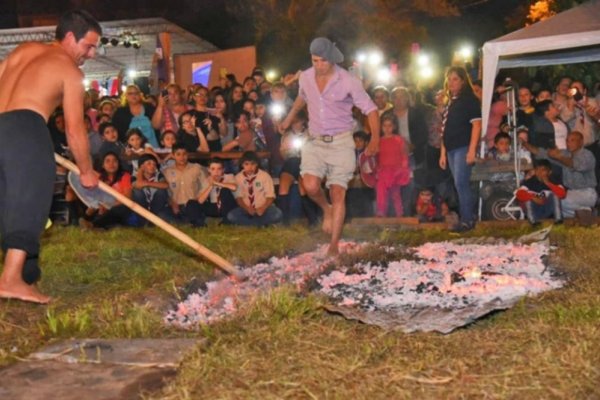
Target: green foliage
(111, 318)
(588, 73)
(68, 323)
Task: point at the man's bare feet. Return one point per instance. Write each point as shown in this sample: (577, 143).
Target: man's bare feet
(333, 250)
(22, 291)
(328, 220)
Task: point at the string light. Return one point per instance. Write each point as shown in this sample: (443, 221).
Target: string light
(127, 39)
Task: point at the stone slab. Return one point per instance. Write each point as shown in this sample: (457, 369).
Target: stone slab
(59, 380)
(95, 369)
(142, 352)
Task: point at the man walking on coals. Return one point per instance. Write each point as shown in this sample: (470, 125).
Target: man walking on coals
(330, 92)
(34, 79)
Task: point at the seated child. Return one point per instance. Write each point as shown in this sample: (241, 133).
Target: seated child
(150, 186)
(430, 207)
(502, 149)
(359, 197)
(185, 181)
(540, 195)
(255, 195)
(113, 174)
(216, 197)
(137, 145)
(501, 152)
(110, 143)
(165, 153)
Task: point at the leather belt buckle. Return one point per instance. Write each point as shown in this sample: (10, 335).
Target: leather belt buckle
(327, 138)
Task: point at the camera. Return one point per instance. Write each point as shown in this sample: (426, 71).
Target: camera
(575, 94)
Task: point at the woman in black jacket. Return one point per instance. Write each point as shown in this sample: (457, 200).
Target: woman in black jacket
(135, 113)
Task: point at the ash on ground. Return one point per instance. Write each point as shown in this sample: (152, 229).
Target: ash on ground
(438, 287)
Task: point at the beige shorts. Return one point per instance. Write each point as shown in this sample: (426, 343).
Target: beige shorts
(334, 160)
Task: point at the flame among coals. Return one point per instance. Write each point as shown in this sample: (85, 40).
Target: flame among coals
(444, 274)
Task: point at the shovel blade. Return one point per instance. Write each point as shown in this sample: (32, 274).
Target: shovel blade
(93, 198)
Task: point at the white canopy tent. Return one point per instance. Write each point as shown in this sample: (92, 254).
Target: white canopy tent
(570, 37)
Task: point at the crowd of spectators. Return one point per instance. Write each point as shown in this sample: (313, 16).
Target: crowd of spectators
(159, 151)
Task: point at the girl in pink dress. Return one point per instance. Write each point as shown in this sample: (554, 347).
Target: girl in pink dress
(393, 169)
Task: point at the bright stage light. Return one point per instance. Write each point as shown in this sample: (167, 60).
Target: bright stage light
(384, 75)
(466, 52)
(375, 58)
(426, 72)
(297, 142)
(271, 75)
(423, 60)
(277, 110)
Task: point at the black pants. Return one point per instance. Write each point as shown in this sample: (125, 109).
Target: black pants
(189, 213)
(228, 203)
(118, 215)
(27, 173)
(158, 204)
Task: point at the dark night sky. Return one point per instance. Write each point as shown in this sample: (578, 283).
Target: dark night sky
(482, 21)
(476, 25)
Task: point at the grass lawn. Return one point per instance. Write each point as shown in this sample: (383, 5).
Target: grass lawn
(118, 284)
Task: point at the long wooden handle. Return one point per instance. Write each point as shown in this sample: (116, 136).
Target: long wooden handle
(170, 229)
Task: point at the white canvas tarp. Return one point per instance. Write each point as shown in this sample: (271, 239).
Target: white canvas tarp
(570, 37)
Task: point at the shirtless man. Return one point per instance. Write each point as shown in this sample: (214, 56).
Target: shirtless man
(330, 92)
(34, 79)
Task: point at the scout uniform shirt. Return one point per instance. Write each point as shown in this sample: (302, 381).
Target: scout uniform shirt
(185, 185)
(254, 189)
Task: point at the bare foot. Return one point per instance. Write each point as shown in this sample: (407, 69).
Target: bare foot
(333, 250)
(238, 278)
(328, 220)
(22, 291)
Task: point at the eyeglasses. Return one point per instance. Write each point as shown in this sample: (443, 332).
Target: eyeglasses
(200, 94)
(186, 121)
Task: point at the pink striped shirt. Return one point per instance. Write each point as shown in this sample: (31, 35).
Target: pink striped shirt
(330, 112)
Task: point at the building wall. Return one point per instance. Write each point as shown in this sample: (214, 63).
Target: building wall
(239, 62)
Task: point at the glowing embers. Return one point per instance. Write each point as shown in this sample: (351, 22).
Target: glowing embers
(219, 299)
(436, 286)
(445, 275)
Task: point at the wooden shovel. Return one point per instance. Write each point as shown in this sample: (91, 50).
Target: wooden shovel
(170, 229)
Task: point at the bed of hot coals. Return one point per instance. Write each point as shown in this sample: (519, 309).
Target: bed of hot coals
(444, 276)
